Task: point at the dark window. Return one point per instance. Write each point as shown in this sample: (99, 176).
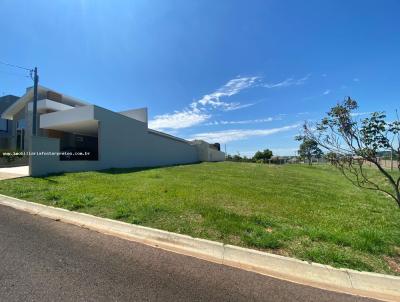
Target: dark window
(20, 139)
(3, 125)
(80, 148)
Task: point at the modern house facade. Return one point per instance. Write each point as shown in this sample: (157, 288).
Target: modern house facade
(74, 135)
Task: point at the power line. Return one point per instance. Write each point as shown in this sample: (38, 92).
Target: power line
(34, 76)
(14, 74)
(16, 66)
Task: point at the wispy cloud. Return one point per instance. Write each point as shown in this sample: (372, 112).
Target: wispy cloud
(302, 113)
(326, 92)
(201, 110)
(288, 82)
(284, 151)
(231, 88)
(243, 122)
(237, 106)
(239, 134)
(178, 120)
(356, 80)
(355, 114)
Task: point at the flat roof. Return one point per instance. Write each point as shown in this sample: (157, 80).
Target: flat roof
(168, 136)
(22, 101)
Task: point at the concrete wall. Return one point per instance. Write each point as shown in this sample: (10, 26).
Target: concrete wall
(205, 153)
(215, 155)
(137, 114)
(123, 143)
(167, 151)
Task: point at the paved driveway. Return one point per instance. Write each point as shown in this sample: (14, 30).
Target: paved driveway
(14, 172)
(46, 260)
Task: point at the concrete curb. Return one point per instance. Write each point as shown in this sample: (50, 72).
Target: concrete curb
(379, 286)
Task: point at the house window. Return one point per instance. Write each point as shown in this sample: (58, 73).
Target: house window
(80, 147)
(3, 125)
(21, 124)
(21, 134)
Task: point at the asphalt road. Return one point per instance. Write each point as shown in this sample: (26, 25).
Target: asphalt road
(46, 260)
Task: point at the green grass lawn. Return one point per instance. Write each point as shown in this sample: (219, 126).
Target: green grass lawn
(311, 213)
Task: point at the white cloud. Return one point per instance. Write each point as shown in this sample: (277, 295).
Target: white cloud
(244, 153)
(284, 151)
(178, 120)
(239, 134)
(285, 83)
(302, 113)
(231, 88)
(288, 82)
(326, 92)
(200, 111)
(243, 122)
(237, 106)
(355, 114)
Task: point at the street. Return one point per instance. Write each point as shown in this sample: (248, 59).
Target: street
(47, 260)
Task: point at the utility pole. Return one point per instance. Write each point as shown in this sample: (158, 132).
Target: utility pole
(35, 97)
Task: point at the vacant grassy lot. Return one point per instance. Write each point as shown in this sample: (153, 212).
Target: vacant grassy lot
(311, 213)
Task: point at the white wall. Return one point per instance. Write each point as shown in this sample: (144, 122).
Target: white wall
(215, 155)
(125, 142)
(205, 153)
(137, 114)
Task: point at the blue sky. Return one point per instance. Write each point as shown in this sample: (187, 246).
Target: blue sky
(244, 73)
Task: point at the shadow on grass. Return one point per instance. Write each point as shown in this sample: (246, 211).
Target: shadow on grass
(139, 169)
(46, 177)
(110, 171)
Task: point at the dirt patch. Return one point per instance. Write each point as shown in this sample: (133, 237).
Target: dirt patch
(394, 263)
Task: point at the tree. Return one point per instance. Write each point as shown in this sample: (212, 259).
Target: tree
(262, 155)
(237, 157)
(354, 144)
(308, 148)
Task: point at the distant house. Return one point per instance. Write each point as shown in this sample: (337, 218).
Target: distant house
(74, 135)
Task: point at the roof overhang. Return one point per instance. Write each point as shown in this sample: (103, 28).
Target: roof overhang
(17, 106)
(79, 120)
(48, 105)
(28, 97)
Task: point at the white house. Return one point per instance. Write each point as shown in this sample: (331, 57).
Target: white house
(74, 135)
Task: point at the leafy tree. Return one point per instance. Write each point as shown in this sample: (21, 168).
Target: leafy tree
(308, 148)
(262, 155)
(237, 157)
(354, 143)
